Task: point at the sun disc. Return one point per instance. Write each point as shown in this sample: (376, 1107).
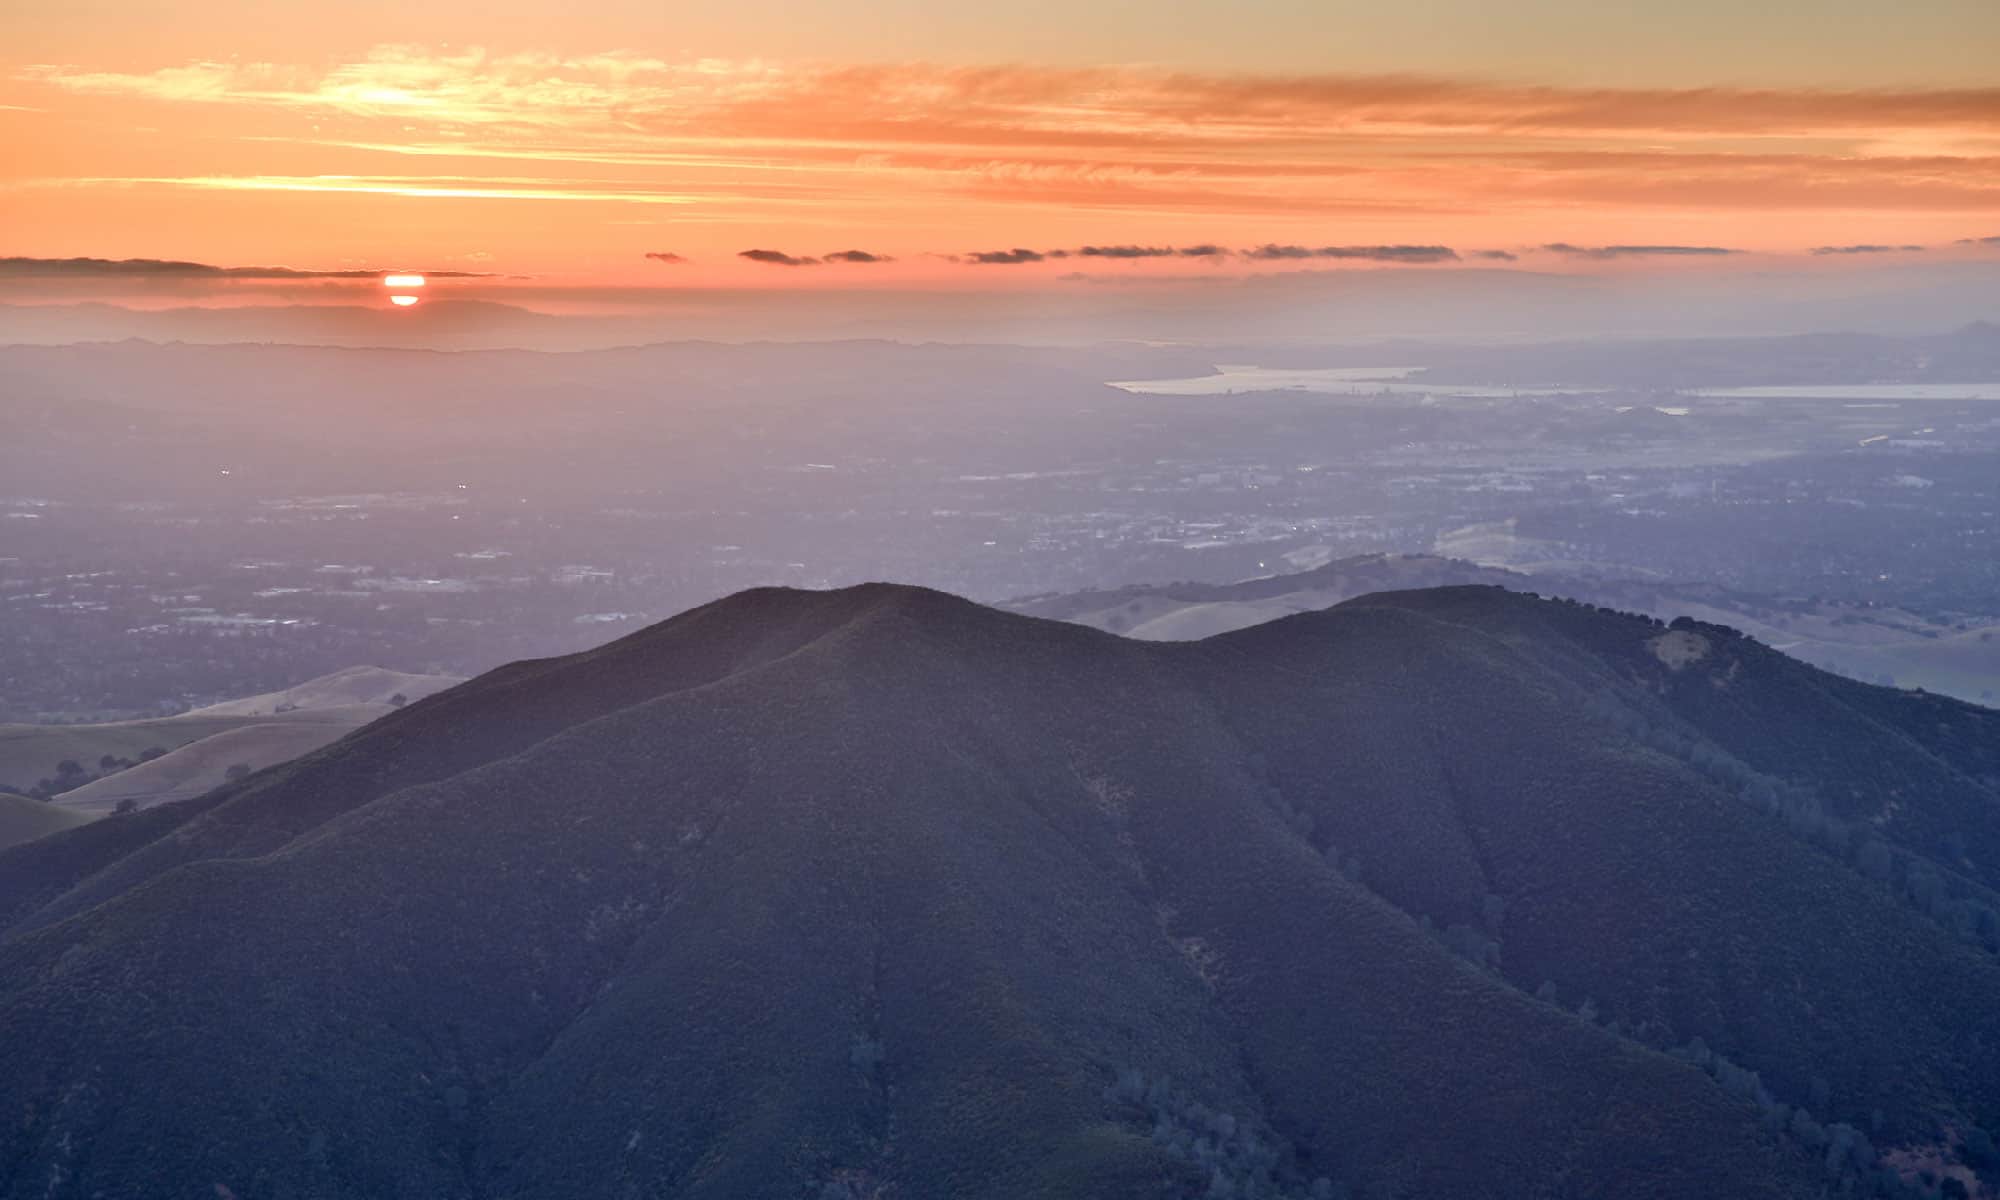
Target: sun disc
(402, 301)
(403, 281)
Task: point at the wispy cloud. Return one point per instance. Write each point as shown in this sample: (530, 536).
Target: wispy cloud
(1864, 248)
(1204, 250)
(1607, 252)
(777, 258)
(1272, 252)
(175, 269)
(1392, 158)
(1008, 257)
(1979, 241)
(666, 256)
(421, 187)
(1495, 255)
(476, 86)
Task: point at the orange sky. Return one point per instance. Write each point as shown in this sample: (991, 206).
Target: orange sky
(514, 140)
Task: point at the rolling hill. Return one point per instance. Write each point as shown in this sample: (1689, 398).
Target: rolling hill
(878, 892)
(344, 689)
(183, 755)
(23, 819)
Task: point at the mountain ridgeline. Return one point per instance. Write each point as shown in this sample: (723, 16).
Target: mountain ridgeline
(880, 893)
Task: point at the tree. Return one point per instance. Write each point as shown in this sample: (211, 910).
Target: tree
(128, 804)
(398, 700)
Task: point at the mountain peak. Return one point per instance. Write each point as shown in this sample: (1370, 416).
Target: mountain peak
(804, 891)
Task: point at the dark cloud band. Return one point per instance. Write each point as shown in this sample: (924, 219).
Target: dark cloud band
(778, 258)
(1865, 248)
(1637, 251)
(1272, 252)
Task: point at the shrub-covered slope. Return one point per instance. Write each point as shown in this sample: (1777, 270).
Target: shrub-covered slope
(877, 892)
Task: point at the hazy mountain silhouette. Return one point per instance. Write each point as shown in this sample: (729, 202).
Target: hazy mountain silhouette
(878, 892)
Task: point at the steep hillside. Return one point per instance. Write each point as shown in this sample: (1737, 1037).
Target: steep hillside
(877, 892)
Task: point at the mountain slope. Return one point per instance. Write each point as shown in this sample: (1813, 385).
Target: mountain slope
(874, 891)
(23, 819)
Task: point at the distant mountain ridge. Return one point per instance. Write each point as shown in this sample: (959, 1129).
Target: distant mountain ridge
(1873, 644)
(876, 891)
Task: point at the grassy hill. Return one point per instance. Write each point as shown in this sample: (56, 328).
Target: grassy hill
(175, 757)
(23, 819)
(877, 892)
(192, 769)
(375, 686)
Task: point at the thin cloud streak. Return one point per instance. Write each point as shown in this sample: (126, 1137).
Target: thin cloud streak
(1609, 252)
(1008, 257)
(778, 258)
(1863, 248)
(479, 87)
(1270, 252)
(382, 185)
(1145, 142)
(172, 269)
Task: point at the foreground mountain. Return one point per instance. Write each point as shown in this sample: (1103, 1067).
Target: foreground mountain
(1959, 657)
(877, 892)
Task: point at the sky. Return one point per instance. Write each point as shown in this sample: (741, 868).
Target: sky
(598, 157)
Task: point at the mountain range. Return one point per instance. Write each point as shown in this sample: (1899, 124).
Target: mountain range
(1877, 643)
(878, 892)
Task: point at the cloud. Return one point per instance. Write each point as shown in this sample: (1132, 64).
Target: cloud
(666, 256)
(1271, 252)
(1496, 255)
(1202, 251)
(172, 269)
(409, 186)
(777, 258)
(1637, 251)
(1009, 257)
(737, 97)
(737, 134)
(1865, 249)
(1979, 241)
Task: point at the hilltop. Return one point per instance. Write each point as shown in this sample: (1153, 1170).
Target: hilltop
(878, 892)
